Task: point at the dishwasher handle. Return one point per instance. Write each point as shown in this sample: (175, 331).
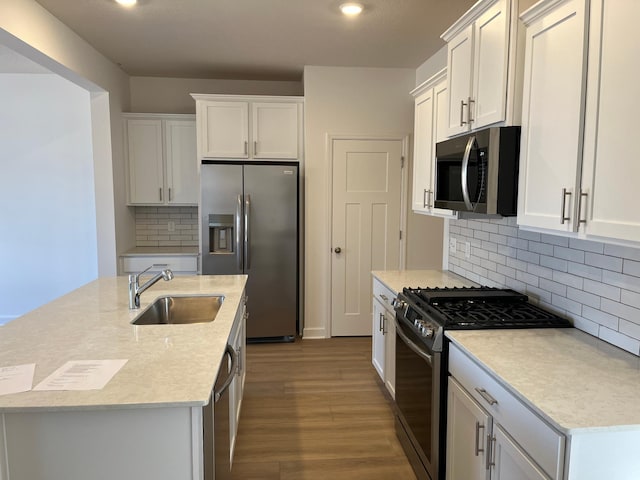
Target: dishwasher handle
(234, 362)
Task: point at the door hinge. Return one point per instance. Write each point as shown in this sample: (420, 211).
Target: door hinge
(400, 234)
(402, 162)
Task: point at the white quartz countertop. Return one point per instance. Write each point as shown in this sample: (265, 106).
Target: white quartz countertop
(138, 251)
(396, 280)
(168, 365)
(577, 382)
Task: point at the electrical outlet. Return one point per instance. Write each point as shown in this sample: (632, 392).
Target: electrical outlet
(452, 245)
(467, 250)
(171, 226)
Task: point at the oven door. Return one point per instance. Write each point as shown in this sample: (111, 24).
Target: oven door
(418, 401)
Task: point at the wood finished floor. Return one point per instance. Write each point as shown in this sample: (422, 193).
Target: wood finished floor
(314, 410)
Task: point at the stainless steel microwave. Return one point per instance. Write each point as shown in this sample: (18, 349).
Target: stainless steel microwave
(478, 172)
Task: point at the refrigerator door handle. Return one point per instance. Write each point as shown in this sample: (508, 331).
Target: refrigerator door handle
(247, 232)
(238, 228)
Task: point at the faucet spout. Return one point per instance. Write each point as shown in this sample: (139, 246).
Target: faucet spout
(135, 289)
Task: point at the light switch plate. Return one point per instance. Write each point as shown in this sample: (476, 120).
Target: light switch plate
(452, 245)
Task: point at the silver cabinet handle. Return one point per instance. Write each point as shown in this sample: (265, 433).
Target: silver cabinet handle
(464, 175)
(238, 227)
(585, 195)
(169, 193)
(469, 118)
(247, 232)
(486, 396)
(246, 147)
(255, 148)
(384, 324)
(384, 297)
(160, 190)
(563, 208)
(380, 322)
(462, 105)
(430, 199)
(424, 199)
(491, 457)
(477, 447)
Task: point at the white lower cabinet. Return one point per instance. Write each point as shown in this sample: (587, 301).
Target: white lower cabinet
(383, 347)
(492, 435)
(238, 340)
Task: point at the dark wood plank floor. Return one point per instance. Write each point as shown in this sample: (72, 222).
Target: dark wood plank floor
(314, 409)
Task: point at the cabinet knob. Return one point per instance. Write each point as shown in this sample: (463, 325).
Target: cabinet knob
(337, 249)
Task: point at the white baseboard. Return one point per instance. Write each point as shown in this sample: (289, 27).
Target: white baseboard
(314, 333)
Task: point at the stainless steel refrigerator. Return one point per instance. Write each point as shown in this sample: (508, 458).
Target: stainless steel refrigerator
(249, 214)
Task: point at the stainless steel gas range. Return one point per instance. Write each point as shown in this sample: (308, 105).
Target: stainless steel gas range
(422, 317)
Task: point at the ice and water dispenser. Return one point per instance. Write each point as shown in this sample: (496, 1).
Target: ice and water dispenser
(221, 230)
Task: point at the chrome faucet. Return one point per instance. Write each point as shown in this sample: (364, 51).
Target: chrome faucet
(135, 290)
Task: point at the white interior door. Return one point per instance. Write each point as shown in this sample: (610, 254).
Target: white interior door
(367, 191)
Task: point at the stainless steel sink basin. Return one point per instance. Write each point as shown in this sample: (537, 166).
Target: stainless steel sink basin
(180, 310)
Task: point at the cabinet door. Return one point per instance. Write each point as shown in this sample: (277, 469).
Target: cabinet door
(509, 461)
(390, 352)
(459, 63)
(182, 162)
(611, 169)
(275, 130)
(225, 130)
(440, 119)
(468, 427)
(491, 39)
(551, 118)
(423, 157)
(378, 339)
(144, 149)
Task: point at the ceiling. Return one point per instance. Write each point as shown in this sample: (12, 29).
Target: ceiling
(257, 39)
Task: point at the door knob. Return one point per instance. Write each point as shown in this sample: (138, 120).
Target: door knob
(337, 249)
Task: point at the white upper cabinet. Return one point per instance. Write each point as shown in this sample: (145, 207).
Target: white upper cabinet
(265, 128)
(161, 157)
(482, 68)
(611, 170)
(550, 152)
(430, 126)
(577, 173)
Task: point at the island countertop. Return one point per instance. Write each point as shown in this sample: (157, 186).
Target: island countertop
(575, 381)
(168, 365)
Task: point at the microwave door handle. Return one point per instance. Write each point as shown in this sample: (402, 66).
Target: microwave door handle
(465, 172)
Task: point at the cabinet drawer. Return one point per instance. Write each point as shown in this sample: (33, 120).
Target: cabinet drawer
(383, 294)
(178, 263)
(543, 444)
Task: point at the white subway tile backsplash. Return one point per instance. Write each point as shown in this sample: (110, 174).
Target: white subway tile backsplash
(603, 261)
(152, 226)
(597, 285)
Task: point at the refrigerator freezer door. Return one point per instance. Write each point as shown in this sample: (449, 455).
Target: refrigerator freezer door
(271, 212)
(222, 226)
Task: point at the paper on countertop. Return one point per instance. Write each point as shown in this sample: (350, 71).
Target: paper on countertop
(16, 378)
(82, 375)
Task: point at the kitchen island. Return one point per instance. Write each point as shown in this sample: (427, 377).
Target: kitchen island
(147, 422)
(584, 389)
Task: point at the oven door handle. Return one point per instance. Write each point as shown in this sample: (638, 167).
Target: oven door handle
(415, 348)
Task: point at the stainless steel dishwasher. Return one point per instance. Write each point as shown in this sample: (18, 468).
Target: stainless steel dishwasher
(215, 418)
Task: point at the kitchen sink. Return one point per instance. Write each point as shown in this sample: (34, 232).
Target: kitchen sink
(176, 309)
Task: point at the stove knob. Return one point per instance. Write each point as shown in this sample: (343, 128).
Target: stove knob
(418, 322)
(396, 303)
(427, 332)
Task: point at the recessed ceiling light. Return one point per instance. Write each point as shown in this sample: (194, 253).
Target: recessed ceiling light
(127, 3)
(351, 9)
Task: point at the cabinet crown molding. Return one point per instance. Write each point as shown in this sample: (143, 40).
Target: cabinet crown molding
(468, 18)
(430, 82)
(247, 98)
(539, 9)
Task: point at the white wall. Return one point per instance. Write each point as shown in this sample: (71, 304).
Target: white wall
(431, 66)
(29, 29)
(352, 101)
(172, 95)
(48, 241)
